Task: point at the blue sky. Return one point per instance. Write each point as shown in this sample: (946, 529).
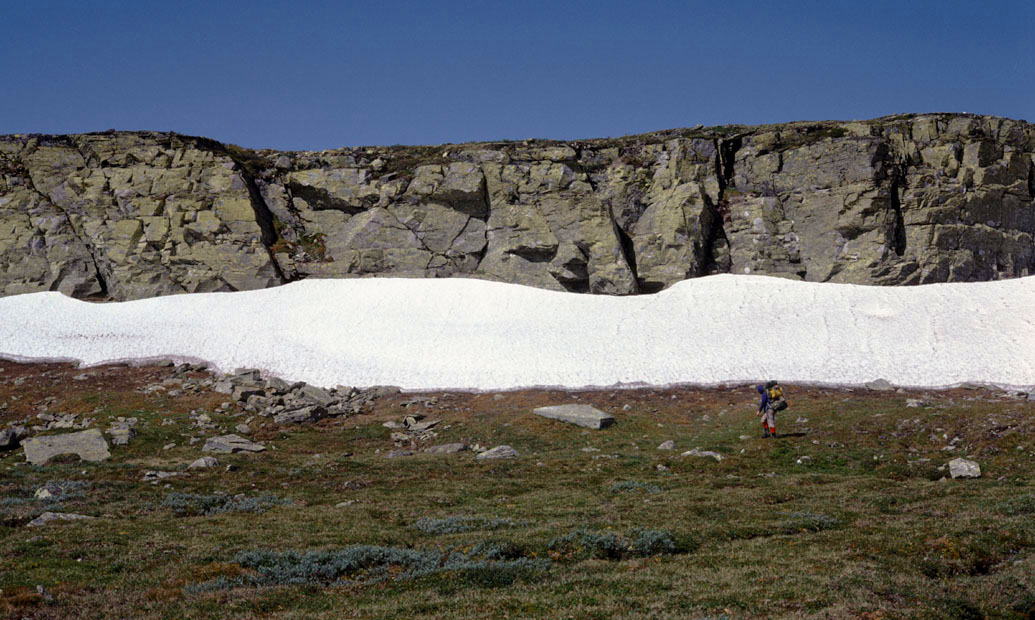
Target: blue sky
(312, 75)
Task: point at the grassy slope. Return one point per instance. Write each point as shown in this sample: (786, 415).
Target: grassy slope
(904, 544)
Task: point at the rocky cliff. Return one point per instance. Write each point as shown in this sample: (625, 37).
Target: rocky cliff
(899, 200)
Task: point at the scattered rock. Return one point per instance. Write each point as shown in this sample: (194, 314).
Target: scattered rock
(204, 463)
(298, 416)
(916, 402)
(229, 444)
(962, 468)
(703, 453)
(345, 504)
(89, 445)
(47, 517)
(243, 429)
(169, 446)
(44, 493)
(153, 476)
(880, 385)
(667, 445)
(120, 435)
(316, 395)
(579, 415)
(446, 448)
(394, 454)
(804, 460)
(499, 452)
(11, 436)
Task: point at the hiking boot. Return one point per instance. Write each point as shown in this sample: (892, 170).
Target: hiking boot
(765, 435)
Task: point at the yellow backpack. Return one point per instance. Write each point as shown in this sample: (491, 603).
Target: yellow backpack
(775, 393)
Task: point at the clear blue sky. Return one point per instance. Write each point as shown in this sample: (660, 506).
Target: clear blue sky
(312, 75)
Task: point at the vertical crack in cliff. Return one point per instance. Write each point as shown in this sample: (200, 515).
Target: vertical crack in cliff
(102, 282)
(726, 151)
(263, 215)
(625, 243)
(899, 231)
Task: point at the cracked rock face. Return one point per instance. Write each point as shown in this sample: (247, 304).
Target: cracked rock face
(907, 199)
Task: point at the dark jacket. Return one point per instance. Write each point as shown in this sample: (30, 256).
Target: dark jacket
(765, 398)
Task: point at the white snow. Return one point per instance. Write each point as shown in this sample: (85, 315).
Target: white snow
(473, 334)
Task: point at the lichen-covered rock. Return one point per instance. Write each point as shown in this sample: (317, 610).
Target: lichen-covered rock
(906, 199)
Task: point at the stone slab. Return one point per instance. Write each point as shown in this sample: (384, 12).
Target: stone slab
(579, 415)
(89, 445)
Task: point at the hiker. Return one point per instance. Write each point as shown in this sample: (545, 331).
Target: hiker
(772, 401)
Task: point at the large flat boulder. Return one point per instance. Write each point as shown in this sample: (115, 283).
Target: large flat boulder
(89, 445)
(47, 517)
(229, 444)
(579, 415)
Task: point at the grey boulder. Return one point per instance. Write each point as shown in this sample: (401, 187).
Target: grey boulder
(446, 448)
(204, 463)
(962, 468)
(89, 445)
(229, 444)
(47, 517)
(499, 452)
(579, 415)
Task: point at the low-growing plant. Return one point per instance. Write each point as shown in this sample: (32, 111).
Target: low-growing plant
(807, 522)
(460, 523)
(635, 485)
(368, 564)
(647, 543)
(1020, 505)
(581, 542)
(191, 504)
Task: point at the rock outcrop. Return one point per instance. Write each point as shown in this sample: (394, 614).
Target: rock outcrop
(906, 199)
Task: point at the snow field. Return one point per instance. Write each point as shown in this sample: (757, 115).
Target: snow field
(479, 335)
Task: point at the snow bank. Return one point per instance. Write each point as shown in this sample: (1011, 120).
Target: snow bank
(473, 334)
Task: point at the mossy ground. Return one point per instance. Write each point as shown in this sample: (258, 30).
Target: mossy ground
(866, 529)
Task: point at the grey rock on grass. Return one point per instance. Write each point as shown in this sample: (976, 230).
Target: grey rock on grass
(89, 445)
(446, 448)
(229, 444)
(204, 463)
(47, 517)
(703, 453)
(580, 415)
(962, 468)
(499, 452)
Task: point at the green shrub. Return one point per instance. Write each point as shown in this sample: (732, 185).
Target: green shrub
(807, 522)
(1020, 505)
(649, 543)
(460, 523)
(581, 542)
(190, 504)
(367, 564)
(635, 485)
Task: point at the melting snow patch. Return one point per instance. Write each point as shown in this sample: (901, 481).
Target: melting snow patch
(473, 334)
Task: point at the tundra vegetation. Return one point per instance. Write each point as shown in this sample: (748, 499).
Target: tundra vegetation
(849, 514)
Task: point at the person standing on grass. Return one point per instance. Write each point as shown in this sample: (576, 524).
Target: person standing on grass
(765, 411)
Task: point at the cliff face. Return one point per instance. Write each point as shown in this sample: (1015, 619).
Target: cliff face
(897, 200)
